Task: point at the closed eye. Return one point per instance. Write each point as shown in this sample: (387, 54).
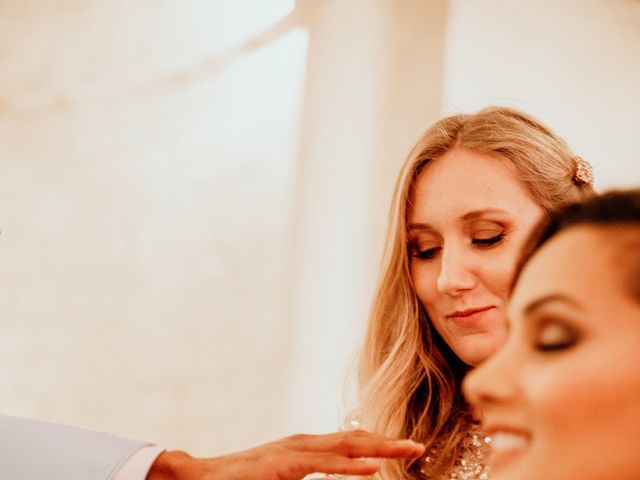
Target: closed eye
(555, 336)
(427, 254)
(488, 242)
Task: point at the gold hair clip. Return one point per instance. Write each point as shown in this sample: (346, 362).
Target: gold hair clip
(584, 172)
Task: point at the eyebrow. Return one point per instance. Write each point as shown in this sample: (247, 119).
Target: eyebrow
(551, 298)
(475, 214)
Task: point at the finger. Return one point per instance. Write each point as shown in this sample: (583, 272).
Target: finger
(327, 463)
(377, 448)
(384, 447)
(391, 449)
(357, 444)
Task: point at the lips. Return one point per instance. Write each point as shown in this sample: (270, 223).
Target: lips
(468, 312)
(469, 316)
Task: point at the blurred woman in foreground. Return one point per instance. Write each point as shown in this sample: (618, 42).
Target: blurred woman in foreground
(561, 399)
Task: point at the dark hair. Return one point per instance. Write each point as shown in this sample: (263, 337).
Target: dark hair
(614, 208)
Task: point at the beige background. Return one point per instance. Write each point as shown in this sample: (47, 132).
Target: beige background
(193, 194)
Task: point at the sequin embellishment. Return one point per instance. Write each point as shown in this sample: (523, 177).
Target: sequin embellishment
(472, 464)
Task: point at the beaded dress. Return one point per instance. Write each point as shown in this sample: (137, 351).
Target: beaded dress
(472, 463)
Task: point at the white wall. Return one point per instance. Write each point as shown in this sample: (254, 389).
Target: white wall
(372, 85)
(191, 219)
(574, 64)
(146, 178)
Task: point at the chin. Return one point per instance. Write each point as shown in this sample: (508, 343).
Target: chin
(506, 475)
(517, 472)
(478, 355)
(481, 350)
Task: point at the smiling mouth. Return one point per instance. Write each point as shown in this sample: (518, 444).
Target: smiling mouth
(470, 317)
(506, 446)
(469, 312)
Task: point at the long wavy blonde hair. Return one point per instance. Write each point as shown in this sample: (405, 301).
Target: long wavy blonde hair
(409, 380)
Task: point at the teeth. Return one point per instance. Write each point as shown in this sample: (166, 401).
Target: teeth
(502, 441)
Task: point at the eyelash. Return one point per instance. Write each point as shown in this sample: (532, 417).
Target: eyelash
(427, 254)
(568, 338)
(488, 242)
(430, 253)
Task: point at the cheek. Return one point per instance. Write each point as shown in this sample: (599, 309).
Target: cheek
(579, 401)
(424, 283)
(497, 274)
(559, 397)
(500, 267)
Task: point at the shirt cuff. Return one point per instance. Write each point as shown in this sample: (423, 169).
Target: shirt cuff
(137, 465)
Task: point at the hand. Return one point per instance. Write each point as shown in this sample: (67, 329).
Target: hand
(290, 458)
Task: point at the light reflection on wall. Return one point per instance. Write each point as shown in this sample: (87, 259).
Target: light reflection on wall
(147, 162)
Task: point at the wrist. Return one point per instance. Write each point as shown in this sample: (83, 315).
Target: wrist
(169, 465)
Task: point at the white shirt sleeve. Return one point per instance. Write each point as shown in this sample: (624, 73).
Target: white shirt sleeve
(33, 449)
(138, 465)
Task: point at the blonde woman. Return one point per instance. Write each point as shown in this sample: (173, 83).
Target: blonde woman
(470, 193)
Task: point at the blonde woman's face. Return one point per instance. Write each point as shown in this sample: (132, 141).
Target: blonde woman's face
(562, 398)
(470, 218)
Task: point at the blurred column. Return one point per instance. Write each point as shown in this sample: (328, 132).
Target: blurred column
(374, 82)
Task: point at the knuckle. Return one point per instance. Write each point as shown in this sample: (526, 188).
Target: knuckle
(341, 470)
(288, 468)
(285, 472)
(348, 436)
(296, 437)
(345, 445)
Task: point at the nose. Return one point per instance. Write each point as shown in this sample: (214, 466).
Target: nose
(493, 382)
(455, 275)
